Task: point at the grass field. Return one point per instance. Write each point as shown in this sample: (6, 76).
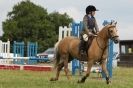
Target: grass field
(122, 78)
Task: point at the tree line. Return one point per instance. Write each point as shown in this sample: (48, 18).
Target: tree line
(30, 22)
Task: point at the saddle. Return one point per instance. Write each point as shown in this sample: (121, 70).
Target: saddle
(88, 44)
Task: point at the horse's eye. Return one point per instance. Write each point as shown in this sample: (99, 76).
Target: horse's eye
(111, 31)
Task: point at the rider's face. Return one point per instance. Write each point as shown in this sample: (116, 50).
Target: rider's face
(93, 13)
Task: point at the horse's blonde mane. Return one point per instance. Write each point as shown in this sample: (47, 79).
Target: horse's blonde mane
(104, 29)
(107, 27)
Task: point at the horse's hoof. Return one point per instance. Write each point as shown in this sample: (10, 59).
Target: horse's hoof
(53, 79)
(108, 82)
(80, 81)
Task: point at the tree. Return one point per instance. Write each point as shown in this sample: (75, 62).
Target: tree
(60, 20)
(29, 22)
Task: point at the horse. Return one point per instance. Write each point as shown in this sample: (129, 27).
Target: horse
(68, 48)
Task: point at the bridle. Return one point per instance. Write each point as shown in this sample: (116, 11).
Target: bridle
(110, 36)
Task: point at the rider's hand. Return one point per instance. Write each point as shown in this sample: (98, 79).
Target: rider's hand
(97, 32)
(90, 33)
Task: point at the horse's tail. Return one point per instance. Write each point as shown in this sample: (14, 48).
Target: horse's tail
(56, 55)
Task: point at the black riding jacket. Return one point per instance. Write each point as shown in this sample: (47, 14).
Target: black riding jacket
(90, 24)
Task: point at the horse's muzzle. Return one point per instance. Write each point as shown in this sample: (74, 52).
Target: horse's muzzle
(116, 39)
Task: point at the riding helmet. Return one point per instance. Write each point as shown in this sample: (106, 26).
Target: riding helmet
(90, 8)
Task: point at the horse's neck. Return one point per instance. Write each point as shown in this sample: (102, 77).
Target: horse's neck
(103, 36)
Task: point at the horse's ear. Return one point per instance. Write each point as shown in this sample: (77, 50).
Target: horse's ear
(115, 22)
(111, 23)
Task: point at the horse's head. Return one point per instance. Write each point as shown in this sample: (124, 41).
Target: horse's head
(112, 32)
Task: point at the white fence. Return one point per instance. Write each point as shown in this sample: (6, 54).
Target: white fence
(5, 49)
(64, 32)
(5, 52)
(6, 61)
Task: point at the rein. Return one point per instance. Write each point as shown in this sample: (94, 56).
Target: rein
(103, 49)
(102, 38)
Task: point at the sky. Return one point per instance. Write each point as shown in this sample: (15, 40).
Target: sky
(118, 10)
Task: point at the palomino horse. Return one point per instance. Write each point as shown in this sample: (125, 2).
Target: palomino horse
(68, 48)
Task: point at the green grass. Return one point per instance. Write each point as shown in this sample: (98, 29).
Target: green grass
(122, 78)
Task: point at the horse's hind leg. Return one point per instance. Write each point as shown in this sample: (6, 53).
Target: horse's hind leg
(66, 67)
(59, 67)
(105, 71)
(90, 63)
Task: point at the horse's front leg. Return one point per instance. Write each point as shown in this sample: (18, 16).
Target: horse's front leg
(90, 63)
(104, 68)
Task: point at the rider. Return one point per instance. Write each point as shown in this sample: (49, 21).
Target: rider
(90, 26)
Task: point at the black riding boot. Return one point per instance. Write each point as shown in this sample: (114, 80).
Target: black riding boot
(82, 47)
